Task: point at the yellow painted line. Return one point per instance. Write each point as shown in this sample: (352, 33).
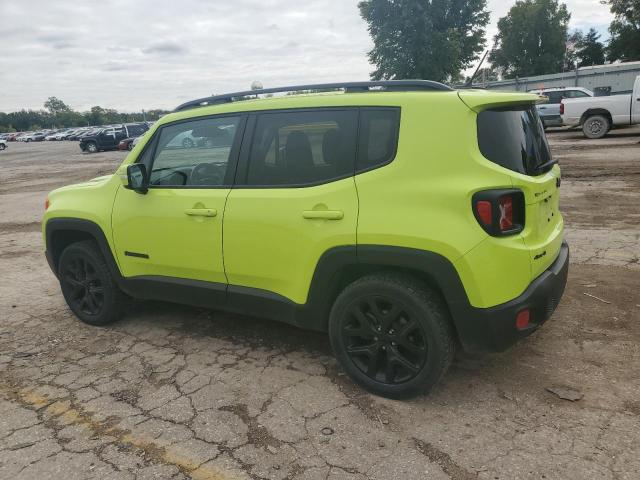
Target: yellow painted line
(64, 413)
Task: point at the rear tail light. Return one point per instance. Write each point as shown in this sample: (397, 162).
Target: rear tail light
(46, 204)
(561, 108)
(499, 212)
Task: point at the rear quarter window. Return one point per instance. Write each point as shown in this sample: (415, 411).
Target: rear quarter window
(378, 138)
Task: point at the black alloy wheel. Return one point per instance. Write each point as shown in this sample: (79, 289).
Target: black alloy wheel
(83, 285)
(392, 334)
(384, 340)
(87, 285)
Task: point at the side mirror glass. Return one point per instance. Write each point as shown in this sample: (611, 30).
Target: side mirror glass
(137, 177)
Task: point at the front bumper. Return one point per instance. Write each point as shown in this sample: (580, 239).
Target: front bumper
(494, 328)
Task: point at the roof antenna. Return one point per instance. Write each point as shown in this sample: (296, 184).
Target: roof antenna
(469, 82)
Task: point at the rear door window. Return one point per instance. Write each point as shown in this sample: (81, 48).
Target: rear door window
(554, 97)
(303, 148)
(514, 138)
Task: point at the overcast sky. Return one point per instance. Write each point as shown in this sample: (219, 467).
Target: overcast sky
(133, 54)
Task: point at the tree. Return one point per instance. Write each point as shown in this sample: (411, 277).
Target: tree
(531, 38)
(571, 58)
(433, 39)
(624, 43)
(56, 106)
(589, 50)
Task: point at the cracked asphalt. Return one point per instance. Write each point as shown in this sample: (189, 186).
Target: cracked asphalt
(173, 392)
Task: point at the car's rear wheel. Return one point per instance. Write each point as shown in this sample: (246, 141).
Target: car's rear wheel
(87, 284)
(596, 126)
(92, 147)
(2, 146)
(187, 143)
(392, 335)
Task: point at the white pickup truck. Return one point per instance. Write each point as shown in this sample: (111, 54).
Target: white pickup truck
(597, 115)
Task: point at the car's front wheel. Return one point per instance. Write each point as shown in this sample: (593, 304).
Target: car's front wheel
(596, 126)
(92, 147)
(87, 284)
(392, 334)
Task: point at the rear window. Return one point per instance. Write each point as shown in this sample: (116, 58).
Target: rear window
(514, 138)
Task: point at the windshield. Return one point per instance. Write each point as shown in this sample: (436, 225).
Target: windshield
(514, 138)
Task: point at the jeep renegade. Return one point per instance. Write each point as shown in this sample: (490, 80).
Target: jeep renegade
(404, 218)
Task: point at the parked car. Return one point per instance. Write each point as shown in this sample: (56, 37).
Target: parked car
(78, 134)
(52, 136)
(393, 219)
(33, 137)
(11, 137)
(126, 144)
(598, 115)
(109, 138)
(3, 144)
(550, 112)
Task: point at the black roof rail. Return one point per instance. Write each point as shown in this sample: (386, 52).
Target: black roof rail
(348, 87)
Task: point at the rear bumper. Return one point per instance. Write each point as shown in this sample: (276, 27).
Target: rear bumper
(552, 120)
(493, 329)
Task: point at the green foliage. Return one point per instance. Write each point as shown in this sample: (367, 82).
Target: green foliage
(58, 115)
(430, 39)
(590, 50)
(56, 106)
(531, 38)
(625, 30)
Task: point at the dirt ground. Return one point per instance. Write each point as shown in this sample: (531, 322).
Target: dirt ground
(178, 392)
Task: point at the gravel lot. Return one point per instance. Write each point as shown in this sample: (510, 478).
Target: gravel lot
(178, 392)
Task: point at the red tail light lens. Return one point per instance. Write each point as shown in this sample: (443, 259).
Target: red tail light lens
(499, 212)
(46, 204)
(561, 108)
(484, 211)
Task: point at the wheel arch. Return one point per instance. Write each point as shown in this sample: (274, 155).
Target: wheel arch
(341, 266)
(62, 232)
(596, 111)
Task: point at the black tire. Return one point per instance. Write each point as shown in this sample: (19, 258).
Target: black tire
(87, 285)
(399, 328)
(596, 126)
(2, 146)
(92, 147)
(187, 143)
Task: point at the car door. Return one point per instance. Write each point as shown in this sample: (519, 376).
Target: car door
(175, 229)
(551, 109)
(105, 138)
(294, 200)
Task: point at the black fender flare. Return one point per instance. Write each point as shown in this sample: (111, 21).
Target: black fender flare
(436, 269)
(53, 244)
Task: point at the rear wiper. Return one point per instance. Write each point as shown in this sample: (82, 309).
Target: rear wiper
(550, 163)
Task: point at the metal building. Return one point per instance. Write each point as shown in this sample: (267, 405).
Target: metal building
(614, 78)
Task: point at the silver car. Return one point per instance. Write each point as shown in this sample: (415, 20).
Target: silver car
(550, 112)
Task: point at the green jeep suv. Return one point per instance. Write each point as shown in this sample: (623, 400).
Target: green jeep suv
(404, 218)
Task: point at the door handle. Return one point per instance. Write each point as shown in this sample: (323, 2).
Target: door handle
(323, 214)
(201, 212)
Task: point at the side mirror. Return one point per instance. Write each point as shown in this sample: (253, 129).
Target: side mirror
(137, 178)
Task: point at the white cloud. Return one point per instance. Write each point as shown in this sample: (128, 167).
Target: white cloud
(132, 54)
